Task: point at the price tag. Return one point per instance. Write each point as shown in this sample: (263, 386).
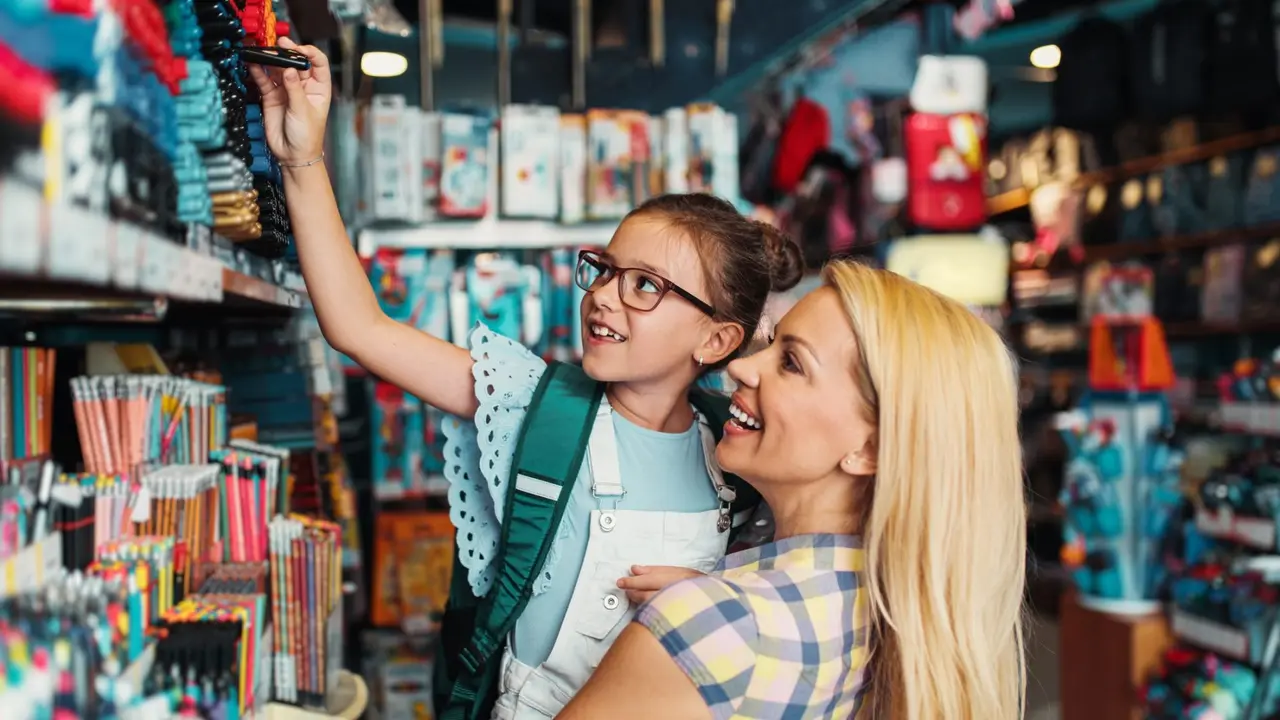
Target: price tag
(141, 510)
(1214, 524)
(1222, 639)
(52, 554)
(126, 257)
(29, 563)
(10, 577)
(63, 261)
(21, 246)
(179, 285)
(1258, 532)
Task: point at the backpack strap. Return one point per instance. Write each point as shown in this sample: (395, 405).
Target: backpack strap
(549, 453)
(715, 408)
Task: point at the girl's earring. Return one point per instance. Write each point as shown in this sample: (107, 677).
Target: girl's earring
(699, 361)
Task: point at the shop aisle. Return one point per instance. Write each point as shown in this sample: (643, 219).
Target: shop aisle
(1042, 669)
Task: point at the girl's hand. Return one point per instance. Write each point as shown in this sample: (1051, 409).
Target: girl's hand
(647, 580)
(295, 105)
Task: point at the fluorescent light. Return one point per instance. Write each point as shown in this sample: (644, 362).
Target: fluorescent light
(383, 64)
(1046, 57)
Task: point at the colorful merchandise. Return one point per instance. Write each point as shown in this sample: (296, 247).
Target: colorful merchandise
(1119, 493)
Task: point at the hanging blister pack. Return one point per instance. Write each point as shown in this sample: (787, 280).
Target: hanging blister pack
(244, 177)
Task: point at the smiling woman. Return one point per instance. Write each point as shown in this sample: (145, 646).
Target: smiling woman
(881, 428)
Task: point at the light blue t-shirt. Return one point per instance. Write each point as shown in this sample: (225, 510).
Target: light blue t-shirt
(660, 471)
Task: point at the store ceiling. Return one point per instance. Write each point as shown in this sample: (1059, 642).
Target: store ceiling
(552, 15)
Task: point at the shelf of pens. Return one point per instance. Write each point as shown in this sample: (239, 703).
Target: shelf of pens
(306, 603)
(128, 420)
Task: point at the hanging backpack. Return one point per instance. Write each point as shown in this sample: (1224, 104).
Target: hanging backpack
(1167, 54)
(549, 453)
(1090, 89)
(1241, 62)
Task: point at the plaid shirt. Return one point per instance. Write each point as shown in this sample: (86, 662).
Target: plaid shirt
(779, 631)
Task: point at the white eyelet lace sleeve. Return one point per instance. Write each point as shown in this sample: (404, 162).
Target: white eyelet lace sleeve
(478, 455)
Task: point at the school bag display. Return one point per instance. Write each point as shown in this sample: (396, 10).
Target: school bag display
(549, 454)
(1091, 87)
(1168, 55)
(946, 169)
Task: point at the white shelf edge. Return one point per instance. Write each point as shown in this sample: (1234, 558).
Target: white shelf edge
(486, 234)
(1210, 635)
(76, 244)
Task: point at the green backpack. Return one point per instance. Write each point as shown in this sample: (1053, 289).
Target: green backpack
(549, 453)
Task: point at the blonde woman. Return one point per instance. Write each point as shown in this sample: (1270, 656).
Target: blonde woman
(881, 427)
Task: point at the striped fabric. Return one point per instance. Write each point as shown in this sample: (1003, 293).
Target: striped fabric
(778, 631)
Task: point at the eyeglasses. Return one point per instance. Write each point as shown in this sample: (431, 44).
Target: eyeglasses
(638, 289)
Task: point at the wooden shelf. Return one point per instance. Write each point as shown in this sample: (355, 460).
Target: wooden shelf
(1216, 238)
(1015, 199)
(1198, 330)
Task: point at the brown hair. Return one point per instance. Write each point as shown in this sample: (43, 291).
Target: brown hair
(744, 259)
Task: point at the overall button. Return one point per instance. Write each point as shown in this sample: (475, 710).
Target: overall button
(611, 602)
(608, 521)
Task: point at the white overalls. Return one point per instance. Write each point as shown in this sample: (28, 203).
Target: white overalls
(599, 610)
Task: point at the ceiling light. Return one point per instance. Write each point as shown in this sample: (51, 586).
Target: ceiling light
(383, 64)
(1046, 57)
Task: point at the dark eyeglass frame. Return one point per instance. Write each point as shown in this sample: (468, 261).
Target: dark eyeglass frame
(609, 271)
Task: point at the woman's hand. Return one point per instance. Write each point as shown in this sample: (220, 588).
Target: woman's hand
(647, 580)
(295, 105)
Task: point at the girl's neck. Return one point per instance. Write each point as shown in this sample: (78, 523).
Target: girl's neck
(661, 409)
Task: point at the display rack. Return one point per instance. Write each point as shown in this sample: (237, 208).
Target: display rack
(76, 245)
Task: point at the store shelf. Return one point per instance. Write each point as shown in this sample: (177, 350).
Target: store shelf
(63, 243)
(1197, 241)
(1209, 635)
(1018, 198)
(1223, 524)
(488, 234)
(1250, 418)
(246, 286)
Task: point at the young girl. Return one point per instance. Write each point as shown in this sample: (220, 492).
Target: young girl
(678, 291)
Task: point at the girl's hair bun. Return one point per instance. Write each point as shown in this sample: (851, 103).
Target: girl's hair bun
(786, 263)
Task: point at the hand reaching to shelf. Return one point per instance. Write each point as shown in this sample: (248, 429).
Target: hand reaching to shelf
(295, 105)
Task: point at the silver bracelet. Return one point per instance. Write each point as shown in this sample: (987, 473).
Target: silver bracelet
(305, 164)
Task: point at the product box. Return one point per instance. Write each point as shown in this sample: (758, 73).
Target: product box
(464, 166)
(724, 165)
(1221, 295)
(530, 138)
(413, 562)
(617, 162)
(430, 129)
(386, 177)
(706, 125)
(398, 669)
(573, 169)
(657, 156)
(675, 147)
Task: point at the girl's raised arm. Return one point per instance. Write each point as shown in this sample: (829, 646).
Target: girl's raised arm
(295, 107)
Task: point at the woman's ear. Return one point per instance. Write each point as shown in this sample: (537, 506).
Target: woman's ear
(861, 463)
(723, 340)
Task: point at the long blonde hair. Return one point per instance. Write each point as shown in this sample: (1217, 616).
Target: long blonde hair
(946, 522)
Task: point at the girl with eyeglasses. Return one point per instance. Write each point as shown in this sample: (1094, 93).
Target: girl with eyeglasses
(678, 292)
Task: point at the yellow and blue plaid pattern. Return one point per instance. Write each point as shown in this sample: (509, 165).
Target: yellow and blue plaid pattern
(779, 631)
